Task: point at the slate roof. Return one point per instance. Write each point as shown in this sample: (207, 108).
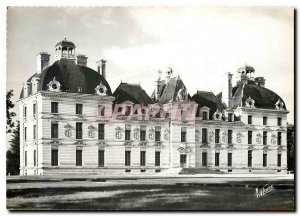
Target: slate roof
(70, 76)
(132, 92)
(208, 99)
(263, 97)
(65, 43)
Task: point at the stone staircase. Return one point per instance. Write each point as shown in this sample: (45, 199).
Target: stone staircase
(194, 171)
(169, 172)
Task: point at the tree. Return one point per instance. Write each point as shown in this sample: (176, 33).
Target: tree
(13, 154)
(9, 114)
(291, 147)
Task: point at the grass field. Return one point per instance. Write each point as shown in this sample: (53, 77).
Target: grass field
(144, 195)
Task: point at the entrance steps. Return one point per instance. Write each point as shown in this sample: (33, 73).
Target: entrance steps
(194, 171)
(169, 172)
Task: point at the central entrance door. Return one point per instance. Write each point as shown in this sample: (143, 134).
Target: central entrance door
(183, 161)
(204, 159)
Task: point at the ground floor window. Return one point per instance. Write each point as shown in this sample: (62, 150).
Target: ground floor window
(143, 158)
(34, 157)
(217, 159)
(229, 159)
(182, 160)
(25, 158)
(249, 158)
(264, 160)
(101, 158)
(78, 157)
(279, 160)
(204, 159)
(54, 157)
(157, 158)
(127, 158)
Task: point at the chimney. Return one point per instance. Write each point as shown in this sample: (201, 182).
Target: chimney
(260, 81)
(227, 90)
(42, 60)
(103, 68)
(82, 60)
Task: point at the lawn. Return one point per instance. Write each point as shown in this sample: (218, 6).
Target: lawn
(143, 195)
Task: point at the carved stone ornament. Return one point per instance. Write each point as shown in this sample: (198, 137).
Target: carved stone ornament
(54, 85)
(151, 133)
(273, 139)
(91, 133)
(258, 138)
(101, 90)
(217, 115)
(136, 133)
(68, 133)
(211, 136)
(224, 137)
(250, 103)
(118, 133)
(184, 149)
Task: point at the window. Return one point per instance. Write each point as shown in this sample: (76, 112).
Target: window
(101, 110)
(230, 117)
(34, 131)
(25, 133)
(101, 158)
(127, 132)
(229, 136)
(183, 134)
(183, 115)
(264, 159)
(157, 158)
(249, 119)
(217, 159)
(101, 131)
(127, 158)
(279, 160)
(217, 135)
(249, 137)
(143, 158)
(54, 130)
(249, 158)
(143, 133)
(54, 107)
(34, 157)
(34, 108)
(54, 157)
(204, 159)
(79, 109)
(183, 158)
(279, 138)
(204, 135)
(157, 133)
(265, 137)
(229, 159)
(78, 157)
(25, 158)
(78, 130)
(265, 120)
(279, 121)
(204, 115)
(25, 112)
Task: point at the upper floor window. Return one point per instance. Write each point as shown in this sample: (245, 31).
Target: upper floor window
(204, 135)
(25, 112)
(279, 138)
(183, 134)
(34, 131)
(217, 135)
(143, 133)
(265, 136)
(54, 130)
(249, 137)
(230, 117)
(249, 119)
(54, 107)
(205, 116)
(78, 130)
(101, 131)
(79, 109)
(229, 136)
(265, 120)
(34, 108)
(157, 133)
(279, 121)
(127, 132)
(101, 110)
(25, 133)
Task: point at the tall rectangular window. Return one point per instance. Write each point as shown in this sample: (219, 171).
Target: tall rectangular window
(78, 130)
(204, 159)
(229, 160)
(101, 131)
(279, 160)
(249, 158)
(205, 116)
(265, 137)
(157, 158)
(34, 109)
(79, 109)
(265, 120)
(78, 157)
(143, 158)
(25, 112)
(249, 119)
(183, 134)
(54, 130)
(265, 159)
(217, 159)
(127, 158)
(25, 158)
(25, 133)
(229, 136)
(34, 157)
(230, 117)
(34, 131)
(279, 138)
(101, 158)
(54, 107)
(157, 133)
(143, 133)
(249, 137)
(54, 157)
(127, 132)
(279, 121)
(217, 135)
(204, 135)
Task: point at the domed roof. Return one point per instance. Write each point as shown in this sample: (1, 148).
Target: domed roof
(70, 76)
(246, 68)
(263, 97)
(65, 43)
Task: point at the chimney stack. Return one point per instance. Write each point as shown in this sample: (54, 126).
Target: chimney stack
(42, 60)
(82, 60)
(227, 90)
(103, 68)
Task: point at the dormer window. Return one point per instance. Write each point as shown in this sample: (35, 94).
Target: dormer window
(230, 117)
(205, 116)
(79, 89)
(54, 85)
(101, 90)
(34, 84)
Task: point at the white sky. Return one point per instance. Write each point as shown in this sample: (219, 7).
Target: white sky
(198, 43)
